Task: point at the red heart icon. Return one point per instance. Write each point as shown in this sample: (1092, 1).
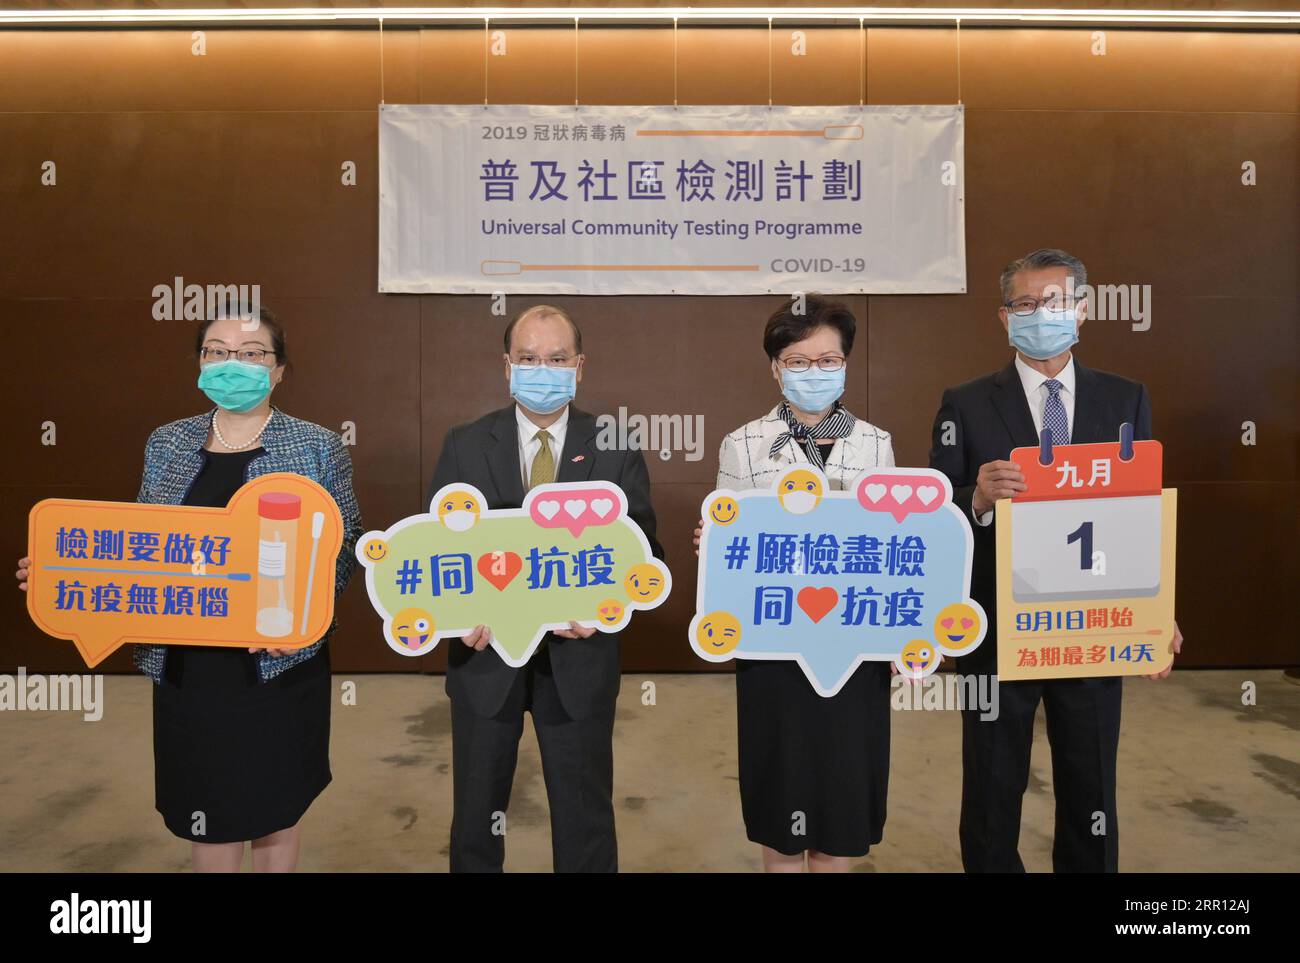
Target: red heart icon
(816, 602)
(499, 568)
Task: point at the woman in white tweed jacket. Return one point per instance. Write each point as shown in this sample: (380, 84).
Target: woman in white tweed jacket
(801, 753)
(744, 460)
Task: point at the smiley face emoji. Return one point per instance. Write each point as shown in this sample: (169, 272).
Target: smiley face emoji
(610, 612)
(718, 633)
(799, 491)
(375, 549)
(412, 629)
(724, 510)
(956, 626)
(917, 657)
(643, 583)
(458, 510)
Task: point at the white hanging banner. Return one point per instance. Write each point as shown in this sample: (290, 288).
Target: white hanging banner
(657, 200)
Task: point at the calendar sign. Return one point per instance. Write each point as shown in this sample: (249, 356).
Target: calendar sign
(1085, 562)
(259, 572)
(831, 579)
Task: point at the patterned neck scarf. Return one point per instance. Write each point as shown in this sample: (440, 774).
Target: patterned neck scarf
(838, 423)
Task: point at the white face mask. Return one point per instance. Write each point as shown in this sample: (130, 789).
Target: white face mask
(458, 521)
(801, 503)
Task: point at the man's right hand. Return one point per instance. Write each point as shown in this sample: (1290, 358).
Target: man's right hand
(479, 638)
(23, 565)
(997, 479)
(699, 532)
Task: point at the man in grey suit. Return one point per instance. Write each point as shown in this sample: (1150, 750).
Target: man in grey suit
(571, 683)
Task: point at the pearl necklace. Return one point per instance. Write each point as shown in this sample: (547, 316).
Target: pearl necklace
(225, 444)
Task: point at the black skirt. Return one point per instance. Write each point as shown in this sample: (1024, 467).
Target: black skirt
(814, 771)
(235, 758)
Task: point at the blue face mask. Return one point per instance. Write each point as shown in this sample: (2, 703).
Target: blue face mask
(235, 385)
(813, 390)
(543, 389)
(1043, 334)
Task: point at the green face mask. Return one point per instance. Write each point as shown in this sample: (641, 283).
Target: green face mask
(235, 385)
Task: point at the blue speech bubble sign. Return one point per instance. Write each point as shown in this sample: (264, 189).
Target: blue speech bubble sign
(878, 572)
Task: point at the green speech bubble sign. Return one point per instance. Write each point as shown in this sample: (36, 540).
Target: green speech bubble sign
(570, 553)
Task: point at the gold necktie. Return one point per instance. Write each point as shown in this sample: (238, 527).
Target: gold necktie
(543, 470)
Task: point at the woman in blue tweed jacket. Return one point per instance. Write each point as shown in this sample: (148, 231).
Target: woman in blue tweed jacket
(173, 458)
(241, 738)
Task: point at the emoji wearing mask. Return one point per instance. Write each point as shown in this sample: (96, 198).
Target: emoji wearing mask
(458, 510)
(799, 491)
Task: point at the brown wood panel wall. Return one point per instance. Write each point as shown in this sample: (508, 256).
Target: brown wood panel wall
(226, 168)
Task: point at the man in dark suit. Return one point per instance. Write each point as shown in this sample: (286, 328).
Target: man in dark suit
(571, 683)
(978, 424)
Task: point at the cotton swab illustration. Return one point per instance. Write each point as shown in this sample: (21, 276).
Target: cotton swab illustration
(317, 525)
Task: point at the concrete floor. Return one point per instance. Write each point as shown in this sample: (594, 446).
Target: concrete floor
(1205, 783)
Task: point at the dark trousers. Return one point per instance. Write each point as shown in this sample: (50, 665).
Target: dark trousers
(577, 766)
(1083, 732)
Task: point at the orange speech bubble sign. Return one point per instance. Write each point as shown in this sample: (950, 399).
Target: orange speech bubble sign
(259, 572)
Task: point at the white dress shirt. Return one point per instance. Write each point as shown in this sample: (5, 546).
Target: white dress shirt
(530, 445)
(1036, 393)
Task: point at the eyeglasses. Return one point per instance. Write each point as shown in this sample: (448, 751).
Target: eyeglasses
(246, 355)
(1023, 307)
(832, 363)
(554, 361)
